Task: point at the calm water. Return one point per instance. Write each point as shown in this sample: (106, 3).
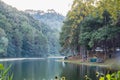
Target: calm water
(47, 69)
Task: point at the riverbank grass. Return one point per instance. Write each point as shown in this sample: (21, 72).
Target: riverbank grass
(111, 63)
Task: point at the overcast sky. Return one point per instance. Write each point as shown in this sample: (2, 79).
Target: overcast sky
(60, 6)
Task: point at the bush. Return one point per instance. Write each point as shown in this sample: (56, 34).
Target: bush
(4, 73)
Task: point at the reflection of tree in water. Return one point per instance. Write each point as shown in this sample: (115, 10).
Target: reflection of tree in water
(69, 72)
(78, 72)
(29, 70)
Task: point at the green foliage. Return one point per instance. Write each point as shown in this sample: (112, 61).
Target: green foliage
(4, 73)
(19, 34)
(26, 35)
(51, 23)
(105, 33)
(108, 76)
(51, 19)
(1, 67)
(90, 24)
(3, 41)
(112, 6)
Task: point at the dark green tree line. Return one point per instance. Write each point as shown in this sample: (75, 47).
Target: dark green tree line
(91, 24)
(19, 34)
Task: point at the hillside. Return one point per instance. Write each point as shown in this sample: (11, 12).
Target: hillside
(20, 34)
(52, 26)
(53, 19)
(29, 33)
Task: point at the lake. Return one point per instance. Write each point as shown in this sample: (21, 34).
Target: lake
(47, 69)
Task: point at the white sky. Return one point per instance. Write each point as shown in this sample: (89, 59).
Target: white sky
(60, 6)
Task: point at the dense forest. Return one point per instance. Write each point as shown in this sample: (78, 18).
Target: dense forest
(21, 35)
(91, 24)
(52, 23)
(50, 17)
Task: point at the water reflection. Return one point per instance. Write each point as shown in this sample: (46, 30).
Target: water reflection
(49, 68)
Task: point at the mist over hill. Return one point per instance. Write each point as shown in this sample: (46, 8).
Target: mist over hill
(53, 22)
(53, 19)
(26, 35)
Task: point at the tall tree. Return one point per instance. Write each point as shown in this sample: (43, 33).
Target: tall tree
(3, 42)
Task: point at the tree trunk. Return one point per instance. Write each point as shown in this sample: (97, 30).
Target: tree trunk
(83, 52)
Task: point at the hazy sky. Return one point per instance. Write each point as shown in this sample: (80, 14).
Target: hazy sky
(61, 6)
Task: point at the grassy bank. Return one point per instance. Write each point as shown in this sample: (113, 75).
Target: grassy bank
(111, 63)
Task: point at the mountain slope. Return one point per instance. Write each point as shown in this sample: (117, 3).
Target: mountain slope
(19, 34)
(51, 18)
(53, 22)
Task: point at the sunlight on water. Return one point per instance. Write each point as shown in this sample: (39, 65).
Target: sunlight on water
(14, 59)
